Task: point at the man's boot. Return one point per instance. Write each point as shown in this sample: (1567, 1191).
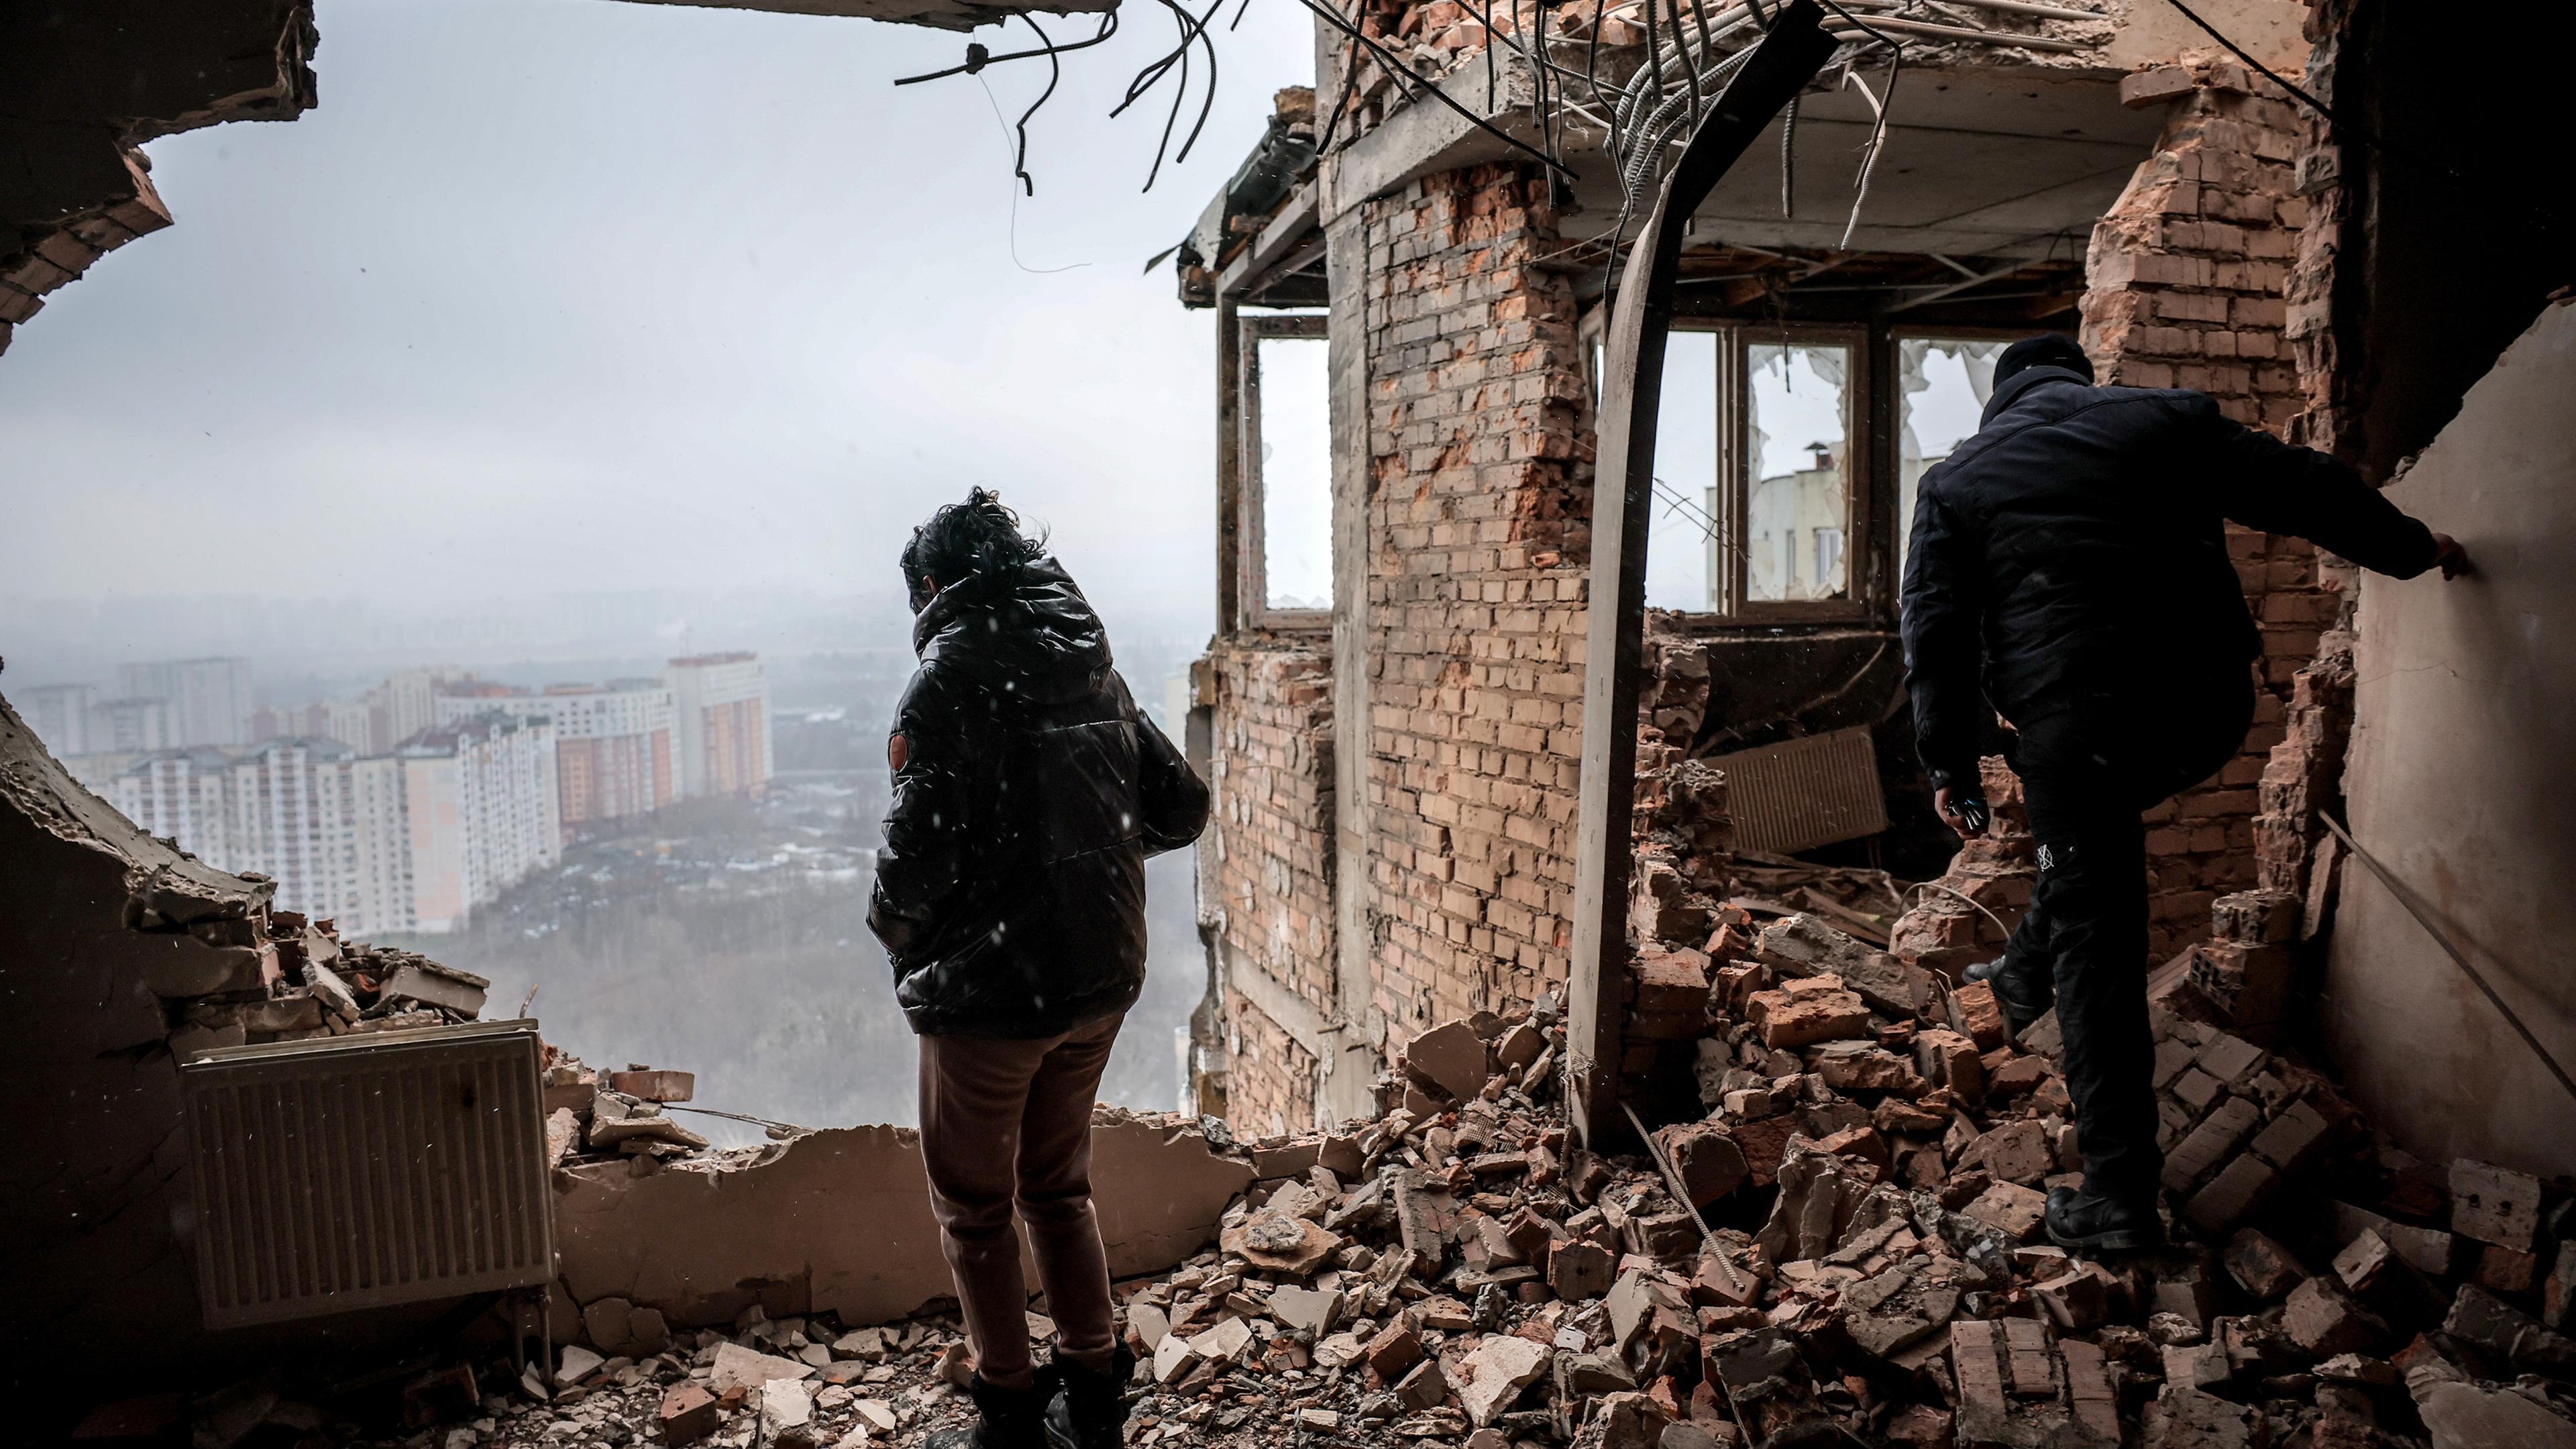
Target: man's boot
(2083, 1218)
(1091, 1412)
(1004, 1419)
(2025, 989)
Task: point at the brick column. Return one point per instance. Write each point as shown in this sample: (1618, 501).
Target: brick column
(1476, 577)
(2185, 285)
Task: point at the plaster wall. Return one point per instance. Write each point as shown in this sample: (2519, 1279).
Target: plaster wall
(840, 1221)
(2461, 777)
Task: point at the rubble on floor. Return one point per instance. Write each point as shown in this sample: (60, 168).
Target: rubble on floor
(1847, 1244)
(1842, 1240)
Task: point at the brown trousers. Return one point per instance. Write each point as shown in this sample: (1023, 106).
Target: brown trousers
(1005, 1121)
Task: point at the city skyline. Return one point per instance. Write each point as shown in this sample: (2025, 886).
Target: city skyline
(424, 798)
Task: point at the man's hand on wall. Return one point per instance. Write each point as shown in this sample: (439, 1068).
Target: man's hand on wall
(2449, 557)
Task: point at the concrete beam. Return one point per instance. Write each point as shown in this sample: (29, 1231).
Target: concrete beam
(1425, 137)
(1345, 1090)
(1632, 370)
(1281, 237)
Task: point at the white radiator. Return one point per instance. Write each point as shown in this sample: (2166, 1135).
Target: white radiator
(358, 1171)
(1799, 794)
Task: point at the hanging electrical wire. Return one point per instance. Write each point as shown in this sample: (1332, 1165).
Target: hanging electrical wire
(1055, 74)
(1193, 34)
(1637, 120)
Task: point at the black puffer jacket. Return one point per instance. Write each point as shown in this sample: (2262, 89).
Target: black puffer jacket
(1027, 793)
(2077, 546)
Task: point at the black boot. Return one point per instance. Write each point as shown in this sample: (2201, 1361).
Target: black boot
(2025, 990)
(1091, 1412)
(2083, 1218)
(1005, 1419)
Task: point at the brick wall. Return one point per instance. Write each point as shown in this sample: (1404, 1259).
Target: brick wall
(1270, 1079)
(2185, 285)
(2325, 390)
(1273, 846)
(1476, 580)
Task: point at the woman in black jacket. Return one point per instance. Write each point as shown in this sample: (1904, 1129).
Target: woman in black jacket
(1010, 897)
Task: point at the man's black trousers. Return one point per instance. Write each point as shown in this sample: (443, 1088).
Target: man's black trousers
(2089, 769)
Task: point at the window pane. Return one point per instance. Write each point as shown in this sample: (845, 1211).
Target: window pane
(1680, 536)
(1944, 383)
(1798, 447)
(1296, 474)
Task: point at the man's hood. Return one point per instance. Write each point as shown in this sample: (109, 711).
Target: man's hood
(1026, 632)
(2022, 382)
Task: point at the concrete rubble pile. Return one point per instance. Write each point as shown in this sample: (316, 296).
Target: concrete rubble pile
(1846, 1244)
(275, 975)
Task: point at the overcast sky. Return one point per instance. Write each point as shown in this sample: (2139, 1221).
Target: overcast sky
(564, 295)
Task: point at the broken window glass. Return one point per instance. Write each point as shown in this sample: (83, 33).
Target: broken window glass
(1943, 384)
(1682, 536)
(1797, 448)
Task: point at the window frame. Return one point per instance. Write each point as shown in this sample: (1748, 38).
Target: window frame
(1861, 470)
(1251, 563)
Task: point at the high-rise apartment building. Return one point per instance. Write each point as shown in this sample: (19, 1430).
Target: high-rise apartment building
(59, 714)
(614, 751)
(327, 824)
(184, 796)
(352, 722)
(407, 702)
(721, 707)
(209, 699)
(483, 812)
(127, 725)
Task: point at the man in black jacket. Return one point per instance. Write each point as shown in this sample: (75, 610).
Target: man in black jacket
(2069, 564)
(1011, 900)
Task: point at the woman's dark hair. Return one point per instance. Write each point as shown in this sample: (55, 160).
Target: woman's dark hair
(978, 536)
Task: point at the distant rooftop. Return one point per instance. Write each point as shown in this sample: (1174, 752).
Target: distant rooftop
(446, 739)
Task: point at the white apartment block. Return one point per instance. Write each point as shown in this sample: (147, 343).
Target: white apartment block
(481, 802)
(407, 702)
(183, 796)
(614, 746)
(209, 699)
(325, 823)
(59, 714)
(721, 706)
(353, 722)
